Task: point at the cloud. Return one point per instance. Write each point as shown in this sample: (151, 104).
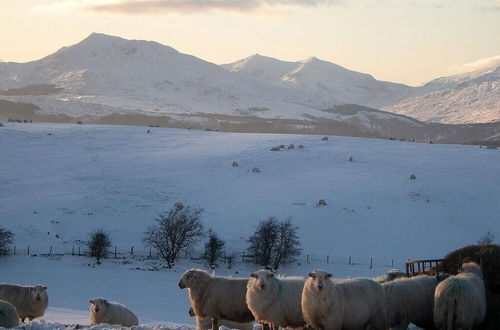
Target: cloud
(178, 6)
(482, 64)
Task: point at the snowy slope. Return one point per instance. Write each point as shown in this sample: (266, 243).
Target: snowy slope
(466, 98)
(324, 83)
(104, 74)
(57, 188)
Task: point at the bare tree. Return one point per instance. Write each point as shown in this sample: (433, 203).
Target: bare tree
(6, 238)
(288, 244)
(263, 240)
(213, 248)
(274, 243)
(175, 230)
(487, 238)
(99, 244)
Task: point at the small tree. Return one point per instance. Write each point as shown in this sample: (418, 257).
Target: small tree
(99, 244)
(262, 242)
(175, 230)
(274, 243)
(487, 238)
(288, 244)
(6, 238)
(213, 248)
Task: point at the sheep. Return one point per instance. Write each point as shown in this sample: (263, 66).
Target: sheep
(342, 304)
(391, 275)
(206, 323)
(275, 300)
(8, 315)
(460, 301)
(103, 311)
(216, 297)
(410, 300)
(30, 301)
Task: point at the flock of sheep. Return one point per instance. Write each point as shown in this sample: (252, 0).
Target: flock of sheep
(318, 302)
(321, 302)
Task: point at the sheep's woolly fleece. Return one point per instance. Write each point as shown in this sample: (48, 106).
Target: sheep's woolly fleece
(42, 325)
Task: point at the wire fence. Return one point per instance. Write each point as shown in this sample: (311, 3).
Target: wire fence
(229, 258)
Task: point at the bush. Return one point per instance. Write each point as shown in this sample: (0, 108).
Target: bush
(99, 244)
(274, 243)
(6, 238)
(213, 248)
(178, 229)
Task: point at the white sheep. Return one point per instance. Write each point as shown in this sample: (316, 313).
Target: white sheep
(206, 323)
(275, 300)
(30, 301)
(410, 300)
(391, 275)
(103, 311)
(216, 297)
(342, 304)
(8, 315)
(460, 301)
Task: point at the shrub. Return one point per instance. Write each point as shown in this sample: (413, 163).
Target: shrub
(274, 243)
(99, 244)
(178, 229)
(213, 248)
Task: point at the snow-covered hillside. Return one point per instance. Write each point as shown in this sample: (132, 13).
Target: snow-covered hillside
(61, 181)
(103, 76)
(465, 98)
(324, 83)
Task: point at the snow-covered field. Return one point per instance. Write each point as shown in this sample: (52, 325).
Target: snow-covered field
(57, 188)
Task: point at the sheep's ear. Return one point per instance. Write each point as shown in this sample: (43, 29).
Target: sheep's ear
(328, 275)
(91, 301)
(311, 274)
(105, 302)
(270, 275)
(45, 288)
(253, 275)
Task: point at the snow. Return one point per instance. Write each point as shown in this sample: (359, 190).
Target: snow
(104, 74)
(57, 188)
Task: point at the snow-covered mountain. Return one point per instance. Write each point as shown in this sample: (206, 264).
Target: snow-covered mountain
(103, 75)
(472, 97)
(106, 79)
(324, 83)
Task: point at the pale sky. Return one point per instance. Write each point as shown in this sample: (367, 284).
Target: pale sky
(408, 41)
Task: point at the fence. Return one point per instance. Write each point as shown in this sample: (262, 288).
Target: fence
(228, 257)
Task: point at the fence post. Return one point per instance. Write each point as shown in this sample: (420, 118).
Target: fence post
(50, 251)
(28, 253)
(79, 254)
(371, 263)
(307, 259)
(132, 250)
(73, 250)
(327, 258)
(14, 250)
(185, 254)
(150, 251)
(115, 251)
(392, 263)
(349, 261)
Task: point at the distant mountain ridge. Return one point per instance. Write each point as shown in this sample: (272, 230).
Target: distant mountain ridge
(108, 79)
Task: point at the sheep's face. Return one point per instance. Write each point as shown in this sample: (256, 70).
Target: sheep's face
(98, 306)
(189, 278)
(471, 267)
(38, 293)
(320, 279)
(262, 279)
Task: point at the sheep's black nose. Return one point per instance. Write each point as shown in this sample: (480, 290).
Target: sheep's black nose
(181, 285)
(320, 286)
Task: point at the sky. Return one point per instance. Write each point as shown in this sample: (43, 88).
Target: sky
(407, 41)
